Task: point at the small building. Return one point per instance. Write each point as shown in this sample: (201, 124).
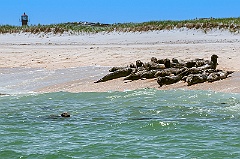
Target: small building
(24, 19)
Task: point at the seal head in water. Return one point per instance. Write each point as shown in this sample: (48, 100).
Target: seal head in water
(65, 114)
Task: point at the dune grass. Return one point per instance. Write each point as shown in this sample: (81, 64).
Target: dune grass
(231, 24)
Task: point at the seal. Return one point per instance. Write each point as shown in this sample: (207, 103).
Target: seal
(65, 115)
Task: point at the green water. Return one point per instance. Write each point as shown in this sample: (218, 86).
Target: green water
(133, 124)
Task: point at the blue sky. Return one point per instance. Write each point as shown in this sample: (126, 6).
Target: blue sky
(114, 11)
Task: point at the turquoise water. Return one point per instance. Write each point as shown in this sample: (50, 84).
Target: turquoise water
(133, 124)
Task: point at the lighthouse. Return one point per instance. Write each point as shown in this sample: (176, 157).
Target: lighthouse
(24, 19)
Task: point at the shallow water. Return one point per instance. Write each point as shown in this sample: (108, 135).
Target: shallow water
(134, 124)
(25, 80)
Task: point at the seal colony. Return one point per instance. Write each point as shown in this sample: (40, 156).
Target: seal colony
(168, 71)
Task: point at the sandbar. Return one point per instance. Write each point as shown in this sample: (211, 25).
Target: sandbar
(67, 51)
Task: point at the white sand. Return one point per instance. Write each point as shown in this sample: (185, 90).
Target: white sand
(120, 49)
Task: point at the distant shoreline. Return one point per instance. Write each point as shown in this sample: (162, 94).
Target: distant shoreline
(205, 24)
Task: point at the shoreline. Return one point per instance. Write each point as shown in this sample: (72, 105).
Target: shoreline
(229, 85)
(75, 80)
(54, 52)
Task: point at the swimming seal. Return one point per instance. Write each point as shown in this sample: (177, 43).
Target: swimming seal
(65, 114)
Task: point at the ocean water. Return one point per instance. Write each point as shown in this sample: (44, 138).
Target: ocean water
(143, 123)
(25, 80)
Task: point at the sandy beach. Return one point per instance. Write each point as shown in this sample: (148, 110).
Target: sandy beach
(56, 52)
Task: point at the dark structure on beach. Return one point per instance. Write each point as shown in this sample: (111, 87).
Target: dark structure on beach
(24, 19)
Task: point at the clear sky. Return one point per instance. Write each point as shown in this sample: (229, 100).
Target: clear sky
(114, 11)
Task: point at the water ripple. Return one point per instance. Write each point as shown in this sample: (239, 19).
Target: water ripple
(133, 124)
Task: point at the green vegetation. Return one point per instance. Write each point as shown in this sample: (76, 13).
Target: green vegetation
(231, 24)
